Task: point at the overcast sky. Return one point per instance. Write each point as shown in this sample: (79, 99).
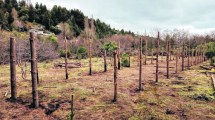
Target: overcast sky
(139, 15)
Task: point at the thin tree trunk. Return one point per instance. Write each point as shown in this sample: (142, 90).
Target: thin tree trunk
(13, 68)
(157, 53)
(167, 58)
(188, 53)
(146, 51)
(115, 76)
(72, 108)
(140, 65)
(176, 65)
(182, 65)
(66, 60)
(105, 61)
(90, 61)
(34, 71)
(118, 56)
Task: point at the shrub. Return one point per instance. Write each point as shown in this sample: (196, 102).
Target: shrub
(125, 60)
(81, 53)
(55, 30)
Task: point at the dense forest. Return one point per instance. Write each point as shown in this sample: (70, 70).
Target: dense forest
(16, 16)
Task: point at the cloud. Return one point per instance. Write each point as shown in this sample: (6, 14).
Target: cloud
(141, 15)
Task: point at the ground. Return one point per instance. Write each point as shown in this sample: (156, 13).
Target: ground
(186, 95)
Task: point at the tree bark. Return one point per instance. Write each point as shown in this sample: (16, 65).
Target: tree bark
(105, 61)
(146, 51)
(176, 65)
(34, 71)
(66, 59)
(140, 65)
(182, 65)
(118, 56)
(115, 76)
(167, 59)
(157, 54)
(13, 68)
(90, 61)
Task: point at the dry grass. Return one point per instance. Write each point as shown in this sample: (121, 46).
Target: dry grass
(169, 99)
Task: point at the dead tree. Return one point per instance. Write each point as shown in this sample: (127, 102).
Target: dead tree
(188, 54)
(140, 65)
(34, 71)
(182, 54)
(176, 65)
(146, 51)
(105, 61)
(115, 76)
(167, 57)
(157, 53)
(118, 56)
(66, 59)
(90, 55)
(72, 108)
(13, 68)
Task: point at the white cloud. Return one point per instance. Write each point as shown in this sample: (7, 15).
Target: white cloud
(140, 15)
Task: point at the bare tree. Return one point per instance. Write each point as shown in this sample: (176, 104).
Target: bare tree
(13, 68)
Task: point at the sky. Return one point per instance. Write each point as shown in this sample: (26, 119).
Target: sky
(143, 16)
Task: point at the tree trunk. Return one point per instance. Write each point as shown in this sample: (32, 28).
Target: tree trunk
(105, 61)
(72, 108)
(140, 65)
(188, 53)
(182, 64)
(176, 65)
(118, 56)
(13, 68)
(146, 51)
(66, 59)
(115, 76)
(34, 71)
(157, 53)
(167, 59)
(90, 55)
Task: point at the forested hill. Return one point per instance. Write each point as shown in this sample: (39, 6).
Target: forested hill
(16, 15)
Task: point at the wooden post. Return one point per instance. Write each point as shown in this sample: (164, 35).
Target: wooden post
(66, 58)
(72, 108)
(146, 51)
(34, 71)
(105, 60)
(157, 54)
(182, 54)
(176, 65)
(115, 76)
(167, 57)
(140, 65)
(90, 55)
(13, 68)
(118, 56)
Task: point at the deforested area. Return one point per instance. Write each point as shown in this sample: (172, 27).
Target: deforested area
(110, 60)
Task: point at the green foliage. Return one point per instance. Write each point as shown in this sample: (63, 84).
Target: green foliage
(81, 53)
(210, 53)
(53, 39)
(109, 46)
(55, 30)
(125, 60)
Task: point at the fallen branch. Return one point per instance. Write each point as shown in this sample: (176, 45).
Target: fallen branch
(206, 68)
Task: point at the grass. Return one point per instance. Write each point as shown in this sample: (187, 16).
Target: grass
(93, 94)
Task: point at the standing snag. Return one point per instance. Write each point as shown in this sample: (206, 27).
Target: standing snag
(34, 71)
(13, 68)
(115, 76)
(167, 57)
(157, 54)
(140, 65)
(118, 56)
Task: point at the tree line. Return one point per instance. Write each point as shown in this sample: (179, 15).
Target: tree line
(16, 15)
